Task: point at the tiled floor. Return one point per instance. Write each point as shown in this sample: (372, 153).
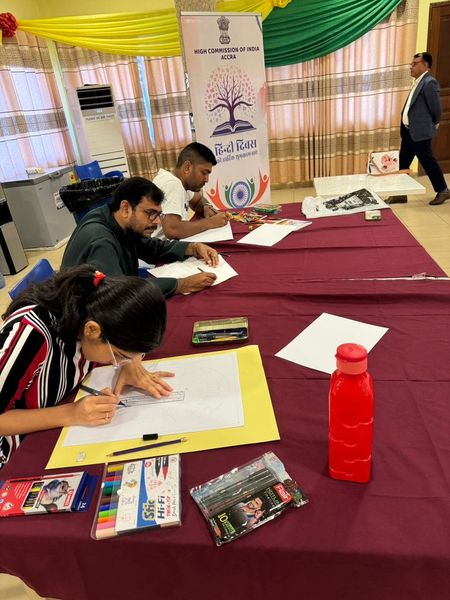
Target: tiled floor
(429, 224)
(12, 588)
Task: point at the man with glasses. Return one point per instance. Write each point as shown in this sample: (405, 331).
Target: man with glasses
(419, 124)
(113, 238)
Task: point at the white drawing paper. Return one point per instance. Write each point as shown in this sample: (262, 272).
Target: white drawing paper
(193, 266)
(268, 234)
(219, 234)
(212, 400)
(315, 347)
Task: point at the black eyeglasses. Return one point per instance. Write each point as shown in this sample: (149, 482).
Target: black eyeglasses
(151, 213)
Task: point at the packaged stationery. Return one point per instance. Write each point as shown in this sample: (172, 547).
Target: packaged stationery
(46, 494)
(247, 497)
(267, 209)
(138, 494)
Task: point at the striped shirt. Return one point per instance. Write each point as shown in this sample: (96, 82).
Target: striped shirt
(37, 369)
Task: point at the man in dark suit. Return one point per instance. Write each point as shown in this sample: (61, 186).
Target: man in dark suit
(419, 124)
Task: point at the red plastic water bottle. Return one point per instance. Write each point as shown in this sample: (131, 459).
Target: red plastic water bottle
(350, 404)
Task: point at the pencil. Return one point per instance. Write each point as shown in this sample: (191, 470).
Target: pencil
(147, 447)
(91, 391)
(210, 335)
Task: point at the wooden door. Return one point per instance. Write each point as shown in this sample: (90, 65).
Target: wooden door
(438, 45)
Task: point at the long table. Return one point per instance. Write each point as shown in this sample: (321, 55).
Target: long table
(394, 184)
(387, 539)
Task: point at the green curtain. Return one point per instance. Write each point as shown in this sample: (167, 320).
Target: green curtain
(308, 29)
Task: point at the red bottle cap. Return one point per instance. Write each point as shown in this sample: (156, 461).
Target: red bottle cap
(351, 359)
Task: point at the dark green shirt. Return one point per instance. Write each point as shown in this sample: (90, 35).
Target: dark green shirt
(100, 241)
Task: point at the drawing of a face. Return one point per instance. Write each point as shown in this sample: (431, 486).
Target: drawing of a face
(388, 162)
(255, 504)
(64, 487)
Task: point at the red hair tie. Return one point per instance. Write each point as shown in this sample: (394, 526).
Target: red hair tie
(98, 276)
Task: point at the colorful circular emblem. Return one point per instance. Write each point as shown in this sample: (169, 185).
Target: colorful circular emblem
(240, 194)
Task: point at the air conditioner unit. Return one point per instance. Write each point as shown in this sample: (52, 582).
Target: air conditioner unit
(98, 128)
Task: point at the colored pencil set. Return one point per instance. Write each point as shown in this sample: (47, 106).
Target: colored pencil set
(62, 492)
(138, 494)
(246, 497)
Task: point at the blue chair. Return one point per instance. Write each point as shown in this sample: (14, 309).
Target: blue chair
(41, 271)
(92, 170)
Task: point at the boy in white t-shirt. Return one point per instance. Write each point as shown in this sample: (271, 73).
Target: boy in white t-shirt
(182, 190)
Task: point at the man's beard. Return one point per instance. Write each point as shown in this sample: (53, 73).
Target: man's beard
(149, 230)
(146, 233)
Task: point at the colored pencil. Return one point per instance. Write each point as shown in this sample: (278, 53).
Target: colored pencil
(109, 502)
(224, 333)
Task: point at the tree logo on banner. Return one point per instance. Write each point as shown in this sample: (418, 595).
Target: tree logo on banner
(229, 94)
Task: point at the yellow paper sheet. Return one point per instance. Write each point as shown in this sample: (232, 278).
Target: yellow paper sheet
(259, 423)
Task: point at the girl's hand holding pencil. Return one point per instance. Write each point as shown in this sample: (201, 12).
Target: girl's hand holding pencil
(97, 408)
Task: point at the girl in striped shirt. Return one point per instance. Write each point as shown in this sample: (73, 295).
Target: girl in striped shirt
(54, 333)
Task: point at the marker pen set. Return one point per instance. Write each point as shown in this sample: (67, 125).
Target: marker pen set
(138, 494)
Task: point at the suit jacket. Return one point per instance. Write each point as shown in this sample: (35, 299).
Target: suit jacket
(425, 109)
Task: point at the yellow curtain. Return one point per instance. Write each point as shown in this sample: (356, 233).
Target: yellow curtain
(152, 33)
(258, 6)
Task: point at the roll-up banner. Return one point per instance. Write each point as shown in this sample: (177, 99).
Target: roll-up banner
(227, 82)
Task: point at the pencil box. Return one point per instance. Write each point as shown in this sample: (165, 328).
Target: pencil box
(220, 331)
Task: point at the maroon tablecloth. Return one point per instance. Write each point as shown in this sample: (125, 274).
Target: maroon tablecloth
(384, 540)
(335, 247)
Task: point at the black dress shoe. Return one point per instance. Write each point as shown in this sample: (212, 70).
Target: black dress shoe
(397, 200)
(440, 198)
